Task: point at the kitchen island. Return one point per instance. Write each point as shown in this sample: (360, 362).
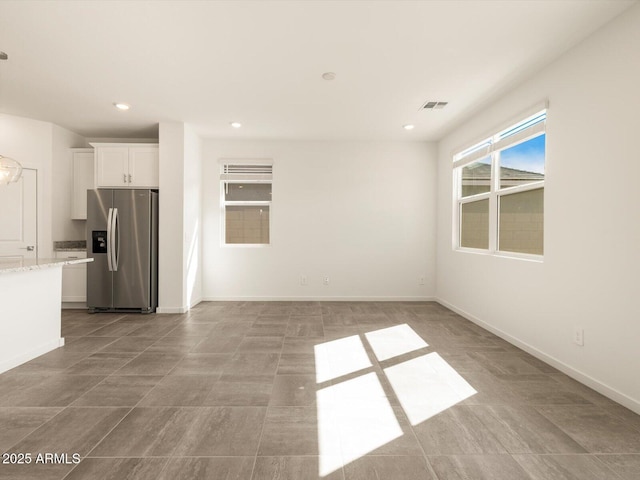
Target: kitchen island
(30, 304)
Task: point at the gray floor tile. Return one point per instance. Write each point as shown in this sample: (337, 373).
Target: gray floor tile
(294, 390)
(456, 431)
(223, 431)
(594, 428)
(540, 389)
(240, 390)
(261, 345)
(208, 468)
(201, 364)
(118, 391)
(296, 468)
(224, 344)
(190, 329)
(290, 431)
(147, 431)
(180, 390)
(174, 345)
(564, 467)
(297, 364)
(116, 329)
(55, 361)
(300, 345)
(57, 390)
(477, 467)
(74, 430)
(389, 467)
(151, 364)
(118, 469)
(18, 422)
(587, 393)
(522, 429)
(130, 344)
(87, 344)
(627, 466)
(504, 363)
(252, 364)
(34, 471)
(101, 363)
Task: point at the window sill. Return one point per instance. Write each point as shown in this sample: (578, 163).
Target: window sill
(511, 255)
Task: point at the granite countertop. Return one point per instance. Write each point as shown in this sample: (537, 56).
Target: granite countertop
(25, 265)
(70, 246)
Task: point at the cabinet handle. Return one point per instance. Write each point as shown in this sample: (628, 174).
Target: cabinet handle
(124, 177)
(129, 178)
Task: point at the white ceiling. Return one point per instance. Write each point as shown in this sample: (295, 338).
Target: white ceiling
(208, 63)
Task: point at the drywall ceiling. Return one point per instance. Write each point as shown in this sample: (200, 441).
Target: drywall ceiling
(261, 63)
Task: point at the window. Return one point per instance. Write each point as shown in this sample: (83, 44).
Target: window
(246, 201)
(499, 190)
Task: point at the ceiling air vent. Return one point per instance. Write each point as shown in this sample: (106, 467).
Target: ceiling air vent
(433, 105)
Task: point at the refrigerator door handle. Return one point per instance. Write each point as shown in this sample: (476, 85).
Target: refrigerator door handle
(116, 237)
(109, 234)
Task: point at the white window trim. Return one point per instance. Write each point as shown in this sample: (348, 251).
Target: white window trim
(494, 145)
(238, 178)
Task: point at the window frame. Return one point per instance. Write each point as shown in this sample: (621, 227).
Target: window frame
(491, 146)
(225, 179)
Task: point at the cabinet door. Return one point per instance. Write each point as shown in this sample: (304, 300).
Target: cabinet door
(144, 167)
(83, 178)
(112, 167)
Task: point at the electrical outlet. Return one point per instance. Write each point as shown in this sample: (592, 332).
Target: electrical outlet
(421, 281)
(325, 280)
(303, 280)
(578, 336)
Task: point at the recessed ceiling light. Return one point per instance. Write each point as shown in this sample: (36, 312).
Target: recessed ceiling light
(329, 76)
(121, 106)
(408, 127)
(235, 124)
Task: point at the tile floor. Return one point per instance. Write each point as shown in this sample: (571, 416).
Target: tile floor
(305, 390)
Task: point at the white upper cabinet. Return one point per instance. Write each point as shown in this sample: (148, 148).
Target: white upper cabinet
(121, 165)
(83, 178)
(144, 166)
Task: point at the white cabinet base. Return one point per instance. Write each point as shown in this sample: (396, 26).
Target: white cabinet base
(30, 315)
(74, 281)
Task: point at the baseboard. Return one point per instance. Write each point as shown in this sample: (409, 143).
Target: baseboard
(74, 305)
(31, 354)
(172, 309)
(319, 299)
(574, 373)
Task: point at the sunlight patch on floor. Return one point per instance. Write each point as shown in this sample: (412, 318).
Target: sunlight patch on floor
(354, 415)
(354, 418)
(394, 341)
(340, 357)
(426, 386)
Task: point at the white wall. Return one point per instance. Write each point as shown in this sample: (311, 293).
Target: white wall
(362, 214)
(192, 253)
(30, 143)
(589, 277)
(179, 282)
(171, 199)
(62, 185)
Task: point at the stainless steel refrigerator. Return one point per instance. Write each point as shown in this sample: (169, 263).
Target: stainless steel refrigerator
(122, 239)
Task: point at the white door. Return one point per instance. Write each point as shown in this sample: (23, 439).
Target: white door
(18, 217)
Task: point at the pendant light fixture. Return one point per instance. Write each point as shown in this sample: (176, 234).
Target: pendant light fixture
(10, 170)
